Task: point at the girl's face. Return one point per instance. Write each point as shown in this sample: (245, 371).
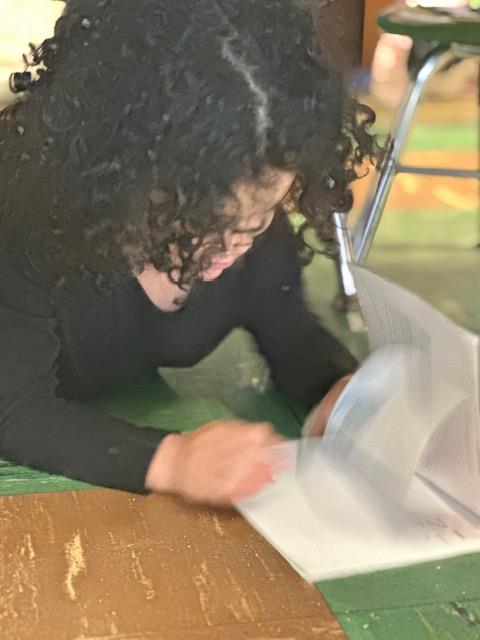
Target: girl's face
(255, 204)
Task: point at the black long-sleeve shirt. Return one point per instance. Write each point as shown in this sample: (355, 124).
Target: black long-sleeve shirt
(57, 346)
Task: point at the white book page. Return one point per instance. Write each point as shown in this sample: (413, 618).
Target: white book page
(343, 534)
(442, 390)
(369, 495)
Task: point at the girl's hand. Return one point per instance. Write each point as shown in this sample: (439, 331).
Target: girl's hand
(219, 463)
(318, 419)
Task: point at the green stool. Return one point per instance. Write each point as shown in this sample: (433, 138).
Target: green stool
(451, 37)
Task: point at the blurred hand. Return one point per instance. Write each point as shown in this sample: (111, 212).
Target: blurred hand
(217, 464)
(318, 419)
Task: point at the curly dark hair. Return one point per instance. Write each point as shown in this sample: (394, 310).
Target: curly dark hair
(141, 116)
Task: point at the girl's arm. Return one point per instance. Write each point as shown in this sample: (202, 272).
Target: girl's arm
(218, 463)
(40, 430)
(305, 359)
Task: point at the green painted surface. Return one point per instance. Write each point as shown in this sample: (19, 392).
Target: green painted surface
(437, 137)
(442, 137)
(435, 256)
(448, 32)
(440, 621)
(444, 581)
(16, 480)
(444, 231)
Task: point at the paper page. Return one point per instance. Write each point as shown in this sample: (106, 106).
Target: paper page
(386, 484)
(442, 390)
(341, 536)
(377, 434)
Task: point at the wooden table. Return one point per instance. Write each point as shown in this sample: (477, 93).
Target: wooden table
(106, 565)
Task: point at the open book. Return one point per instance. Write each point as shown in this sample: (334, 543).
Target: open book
(396, 478)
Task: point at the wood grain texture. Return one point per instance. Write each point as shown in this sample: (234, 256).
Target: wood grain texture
(98, 565)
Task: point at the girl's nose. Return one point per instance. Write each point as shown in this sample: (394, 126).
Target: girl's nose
(237, 240)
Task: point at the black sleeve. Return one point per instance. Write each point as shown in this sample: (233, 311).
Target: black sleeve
(40, 430)
(304, 359)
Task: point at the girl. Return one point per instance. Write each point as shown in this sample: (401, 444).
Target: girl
(146, 178)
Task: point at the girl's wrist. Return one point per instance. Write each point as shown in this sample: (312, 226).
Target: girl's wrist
(161, 471)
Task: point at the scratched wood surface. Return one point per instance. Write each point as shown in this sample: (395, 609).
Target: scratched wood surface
(100, 564)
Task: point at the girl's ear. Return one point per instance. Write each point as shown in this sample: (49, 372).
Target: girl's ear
(291, 202)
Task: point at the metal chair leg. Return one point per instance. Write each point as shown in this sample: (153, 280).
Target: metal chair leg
(478, 153)
(347, 293)
(346, 299)
(367, 225)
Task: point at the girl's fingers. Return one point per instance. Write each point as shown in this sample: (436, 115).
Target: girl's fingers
(259, 479)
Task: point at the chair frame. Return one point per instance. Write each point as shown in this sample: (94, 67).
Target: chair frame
(354, 245)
